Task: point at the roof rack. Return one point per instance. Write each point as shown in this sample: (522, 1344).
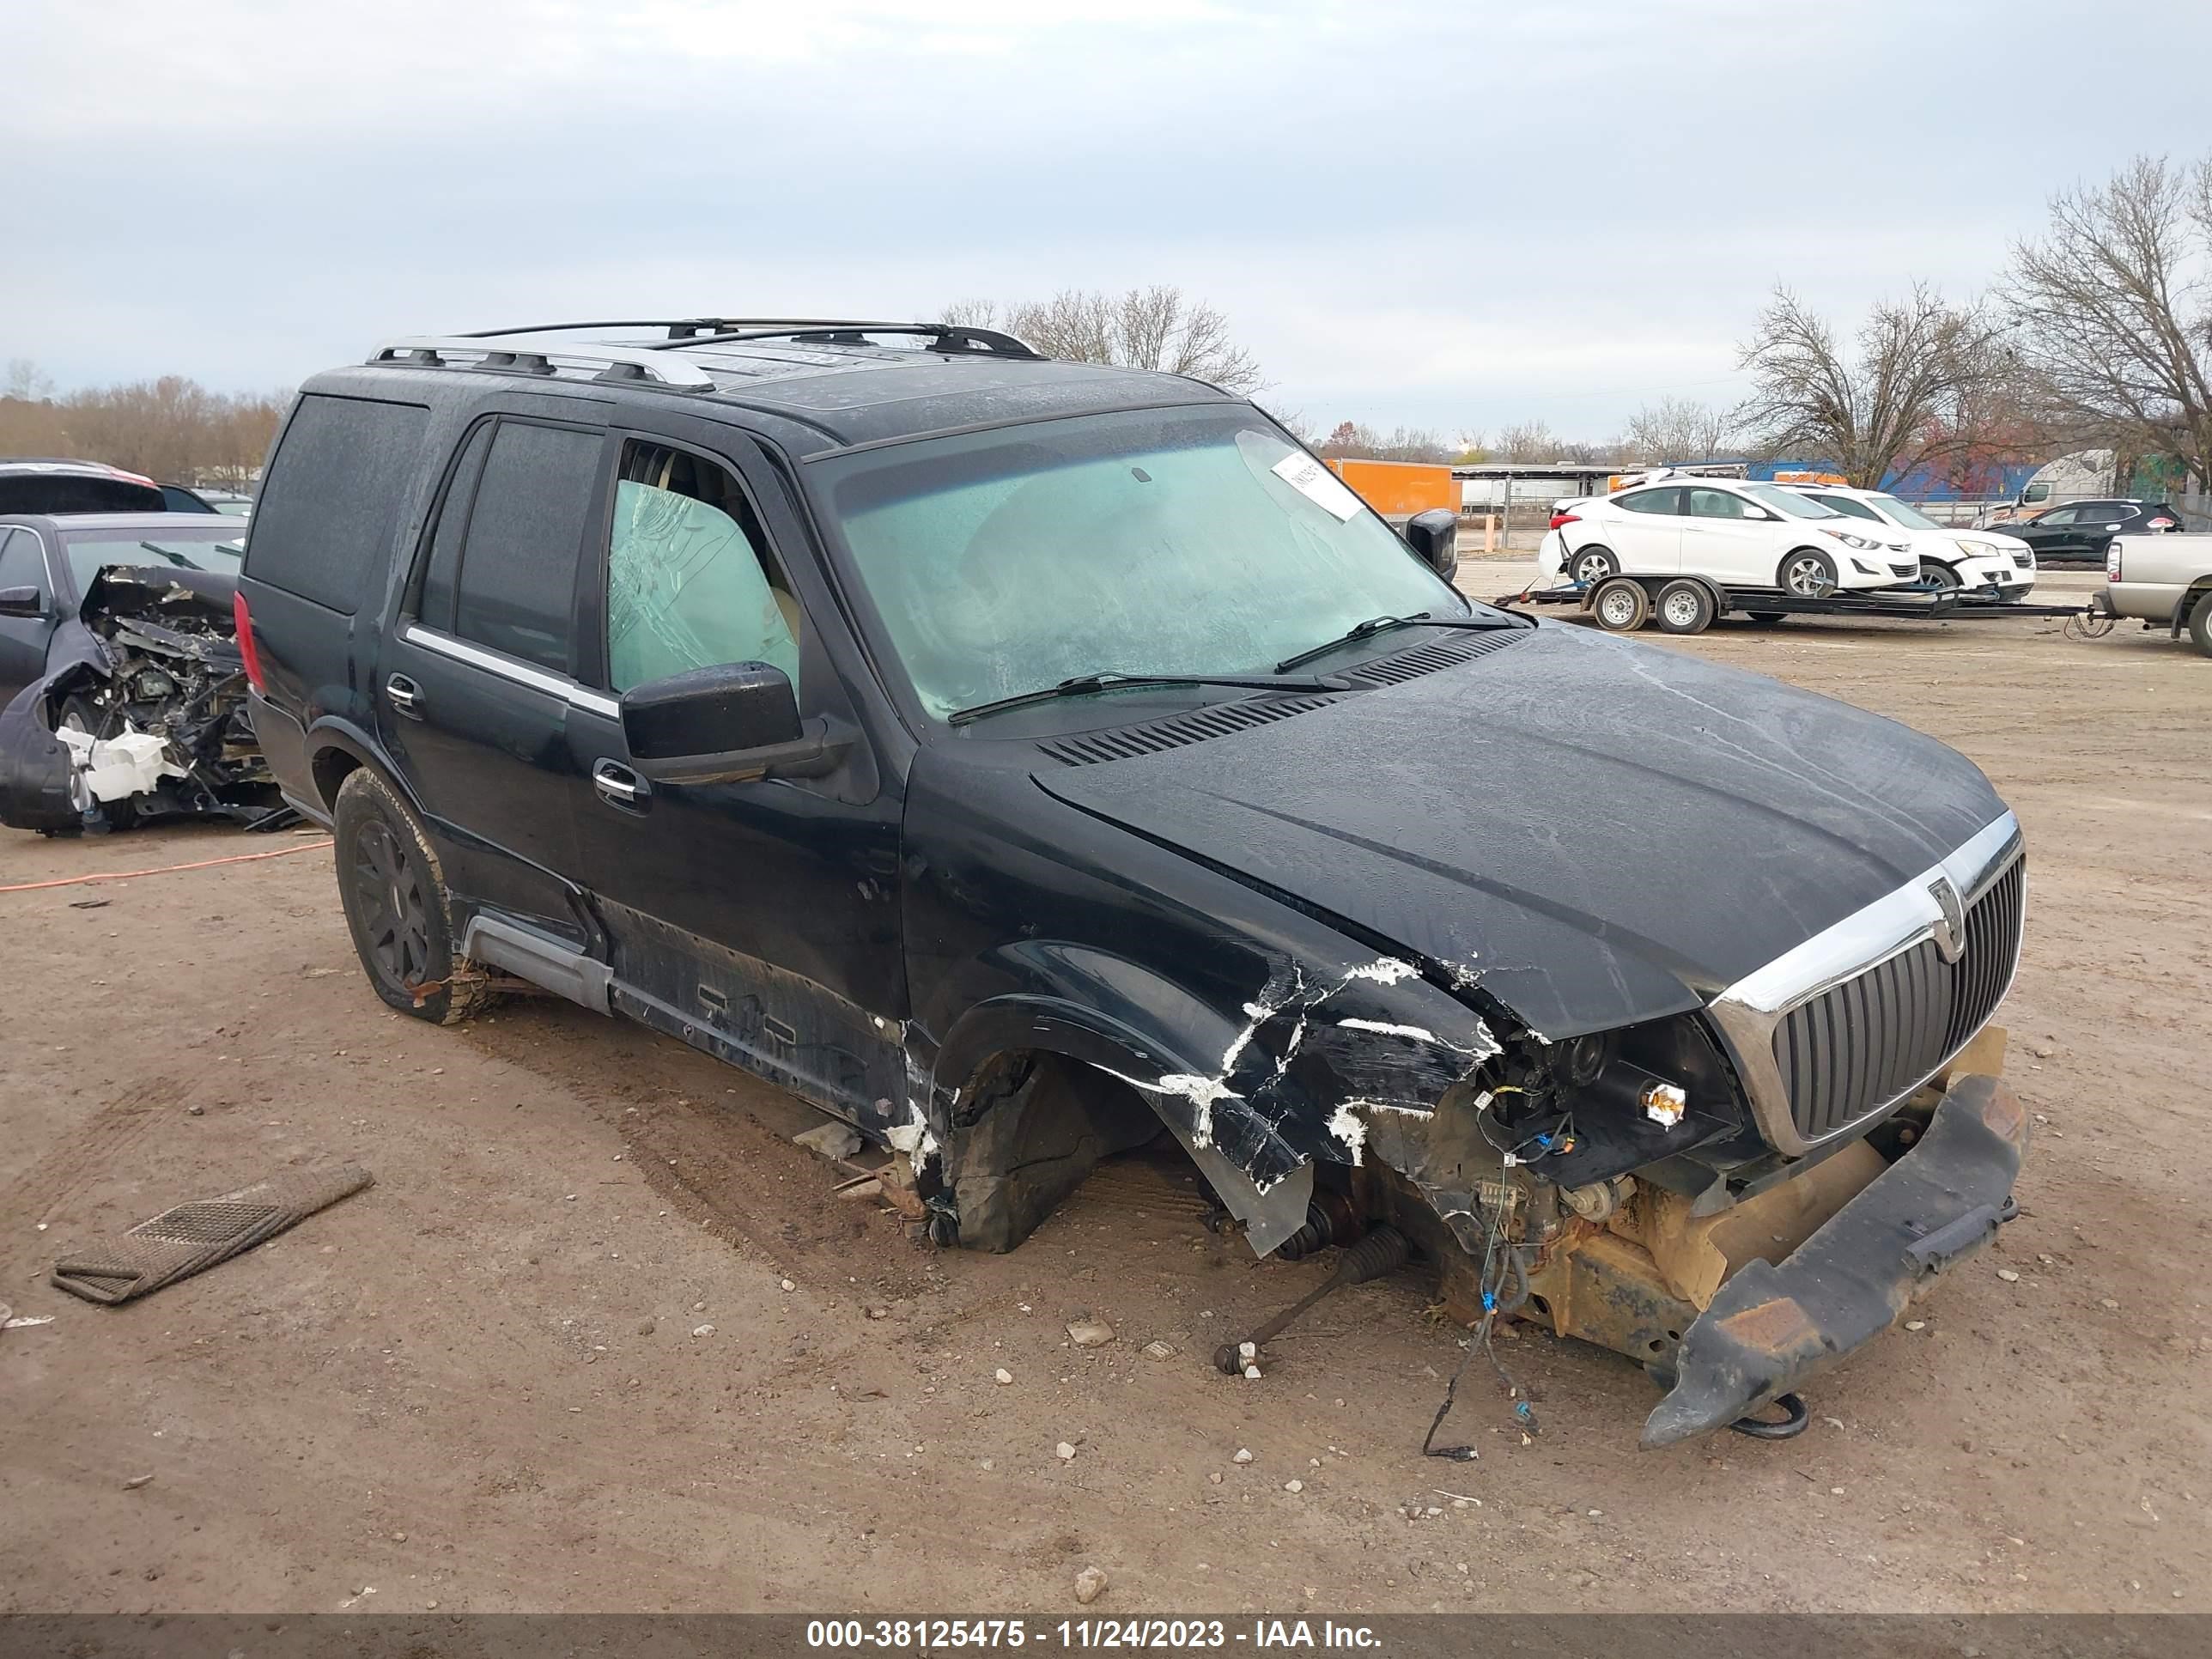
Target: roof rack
(616, 362)
(820, 331)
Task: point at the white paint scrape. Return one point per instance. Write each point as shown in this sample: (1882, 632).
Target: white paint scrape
(913, 1138)
(1384, 970)
(1345, 1126)
(1417, 1033)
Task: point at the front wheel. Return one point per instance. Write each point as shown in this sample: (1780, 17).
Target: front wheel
(1808, 574)
(2200, 626)
(1939, 578)
(1621, 606)
(396, 905)
(1592, 565)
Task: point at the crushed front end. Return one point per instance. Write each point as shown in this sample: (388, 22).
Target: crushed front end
(146, 717)
(1737, 1198)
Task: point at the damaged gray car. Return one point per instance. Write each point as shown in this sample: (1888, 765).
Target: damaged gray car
(1015, 756)
(123, 691)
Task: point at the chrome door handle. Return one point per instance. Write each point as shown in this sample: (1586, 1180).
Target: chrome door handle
(406, 696)
(620, 787)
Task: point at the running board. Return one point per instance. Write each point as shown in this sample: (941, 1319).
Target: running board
(543, 961)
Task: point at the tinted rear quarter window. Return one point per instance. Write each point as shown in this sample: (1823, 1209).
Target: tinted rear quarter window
(324, 523)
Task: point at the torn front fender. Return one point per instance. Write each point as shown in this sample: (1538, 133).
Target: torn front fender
(1770, 1329)
(35, 769)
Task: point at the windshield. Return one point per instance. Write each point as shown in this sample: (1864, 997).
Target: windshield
(1787, 503)
(1156, 542)
(90, 551)
(1897, 512)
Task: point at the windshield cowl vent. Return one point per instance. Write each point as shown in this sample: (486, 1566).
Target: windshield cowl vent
(1448, 653)
(1126, 743)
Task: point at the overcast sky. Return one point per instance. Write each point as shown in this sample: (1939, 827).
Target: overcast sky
(1454, 215)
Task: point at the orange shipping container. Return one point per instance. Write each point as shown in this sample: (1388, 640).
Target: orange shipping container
(1399, 490)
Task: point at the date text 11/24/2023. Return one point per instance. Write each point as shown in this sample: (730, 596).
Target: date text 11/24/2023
(903, 1634)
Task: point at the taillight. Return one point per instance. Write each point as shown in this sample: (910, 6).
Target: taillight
(2112, 560)
(1558, 519)
(246, 648)
(2162, 524)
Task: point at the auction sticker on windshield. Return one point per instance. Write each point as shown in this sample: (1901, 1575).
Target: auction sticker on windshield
(1318, 484)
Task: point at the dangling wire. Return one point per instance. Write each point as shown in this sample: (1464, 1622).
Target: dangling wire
(1499, 1260)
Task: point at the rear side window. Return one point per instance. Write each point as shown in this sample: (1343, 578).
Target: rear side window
(517, 585)
(1651, 500)
(324, 523)
(1717, 504)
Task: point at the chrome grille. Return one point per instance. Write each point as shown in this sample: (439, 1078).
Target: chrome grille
(1859, 1046)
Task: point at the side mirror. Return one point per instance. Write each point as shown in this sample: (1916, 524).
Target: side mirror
(723, 725)
(1434, 537)
(23, 602)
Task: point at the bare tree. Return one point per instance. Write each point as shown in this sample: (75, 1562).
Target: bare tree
(1903, 395)
(1675, 429)
(1353, 441)
(1535, 440)
(1157, 328)
(2113, 311)
(26, 383)
(170, 428)
(1528, 440)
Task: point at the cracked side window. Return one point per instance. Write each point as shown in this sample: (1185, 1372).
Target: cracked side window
(690, 582)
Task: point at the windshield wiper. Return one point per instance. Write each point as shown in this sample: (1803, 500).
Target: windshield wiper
(1383, 624)
(1082, 685)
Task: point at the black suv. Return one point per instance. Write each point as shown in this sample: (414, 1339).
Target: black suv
(1013, 757)
(2080, 531)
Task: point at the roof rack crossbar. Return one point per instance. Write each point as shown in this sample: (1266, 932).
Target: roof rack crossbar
(614, 362)
(946, 337)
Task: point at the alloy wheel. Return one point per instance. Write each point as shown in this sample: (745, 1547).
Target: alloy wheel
(1807, 577)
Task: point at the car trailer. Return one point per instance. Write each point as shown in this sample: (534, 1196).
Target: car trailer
(1690, 604)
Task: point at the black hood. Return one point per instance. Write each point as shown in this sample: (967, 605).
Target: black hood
(1597, 831)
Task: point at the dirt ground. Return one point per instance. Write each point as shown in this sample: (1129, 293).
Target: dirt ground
(599, 1338)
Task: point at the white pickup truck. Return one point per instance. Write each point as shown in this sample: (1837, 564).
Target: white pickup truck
(2161, 578)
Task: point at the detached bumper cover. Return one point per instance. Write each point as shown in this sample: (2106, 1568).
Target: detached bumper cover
(1770, 1329)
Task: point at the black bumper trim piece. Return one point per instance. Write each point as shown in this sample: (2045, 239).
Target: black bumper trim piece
(1771, 1328)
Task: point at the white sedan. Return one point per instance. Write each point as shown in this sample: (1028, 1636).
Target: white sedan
(1986, 563)
(1734, 533)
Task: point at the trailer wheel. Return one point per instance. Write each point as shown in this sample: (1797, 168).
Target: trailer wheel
(1592, 565)
(1808, 574)
(2200, 626)
(1621, 606)
(1684, 607)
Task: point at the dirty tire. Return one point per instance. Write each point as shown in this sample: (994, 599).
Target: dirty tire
(396, 904)
(2200, 625)
(1807, 572)
(1684, 607)
(1592, 565)
(1621, 606)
